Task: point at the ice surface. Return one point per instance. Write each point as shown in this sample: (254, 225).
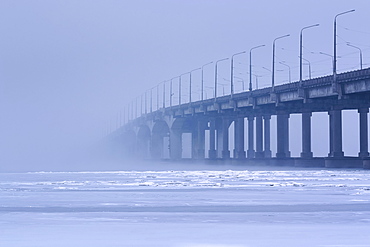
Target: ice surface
(182, 208)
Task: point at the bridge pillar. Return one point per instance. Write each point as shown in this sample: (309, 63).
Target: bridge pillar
(306, 135)
(335, 129)
(239, 152)
(194, 143)
(259, 137)
(363, 132)
(250, 151)
(175, 144)
(267, 152)
(212, 154)
(282, 120)
(202, 124)
(223, 139)
(157, 146)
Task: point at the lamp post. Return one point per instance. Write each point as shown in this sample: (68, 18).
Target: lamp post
(180, 86)
(301, 51)
(309, 67)
(171, 93)
(232, 73)
(136, 114)
(164, 94)
(256, 80)
(335, 44)
(273, 61)
(286, 65)
(141, 105)
(242, 80)
(202, 86)
(332, 57)
(158, 96)
(151, 100)
(216, 75)
(145, 102)
(250, 65)
(358, 48)
(190, 82)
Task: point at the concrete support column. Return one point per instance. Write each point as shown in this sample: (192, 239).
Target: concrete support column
(175, 144)
(194, 144)
(364, 151)
(336, 133)
(239, 152)
(201, 139)
(259, 137)
(212, 139)
(282, 120)
(225, 139)
(306, 135)
(267, 151)
(219, 131)
(157, 146)
(250, 151)
(330, 154)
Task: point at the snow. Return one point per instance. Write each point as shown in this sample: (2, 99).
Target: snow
(186, 208)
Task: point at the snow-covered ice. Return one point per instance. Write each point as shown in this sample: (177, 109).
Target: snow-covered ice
(182, 208)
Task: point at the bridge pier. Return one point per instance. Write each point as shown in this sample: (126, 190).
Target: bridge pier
(259, 137)
(306, 135)
(225, 138)
(250, 151)
(363, 132)
(156, 146)
(267, 150)
(175, 144)
(201, 124)
(282, 121)
(335, 128)
(212, 154)
(239, 152)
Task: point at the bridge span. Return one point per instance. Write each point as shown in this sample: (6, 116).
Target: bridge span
(158, 132)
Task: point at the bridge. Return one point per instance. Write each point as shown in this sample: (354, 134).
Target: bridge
(158, 134)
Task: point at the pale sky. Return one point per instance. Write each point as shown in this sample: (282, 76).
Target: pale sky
(68, 68)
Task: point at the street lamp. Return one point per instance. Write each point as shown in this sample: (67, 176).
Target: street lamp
(141, 105)
(216, 75)
(190, 83)
(309, 67)
(164, 94)
(158, 96)
(242, 80)
(301, 51)
(232, 73)
(171, 94)
(151, 100)
(145, 102)
(358, 48)
(273, 60)
(257, 80)
(286, 65)
(335, 44)
(180, 86)
(250, 65)
(326, 54)
(202, 86)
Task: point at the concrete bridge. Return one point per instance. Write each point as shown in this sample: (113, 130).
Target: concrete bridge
(157, 134)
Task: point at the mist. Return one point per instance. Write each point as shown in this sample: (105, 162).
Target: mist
(69, 68)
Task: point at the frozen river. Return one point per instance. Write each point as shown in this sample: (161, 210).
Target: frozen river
(186, 208)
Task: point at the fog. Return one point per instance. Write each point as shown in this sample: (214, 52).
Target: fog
(69, 68)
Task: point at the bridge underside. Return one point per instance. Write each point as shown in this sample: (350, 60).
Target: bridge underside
(208, 123)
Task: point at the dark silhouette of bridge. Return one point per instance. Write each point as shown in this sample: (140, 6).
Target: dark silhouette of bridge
(157, 132)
